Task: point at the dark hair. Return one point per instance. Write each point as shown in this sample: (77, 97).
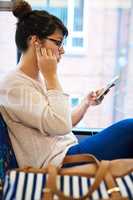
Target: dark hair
(34, 22)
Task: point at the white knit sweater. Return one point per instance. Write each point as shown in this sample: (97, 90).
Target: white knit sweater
(39, 121)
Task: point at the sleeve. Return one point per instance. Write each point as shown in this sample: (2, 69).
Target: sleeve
(50, 112)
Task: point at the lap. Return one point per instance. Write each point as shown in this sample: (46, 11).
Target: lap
(115, 141)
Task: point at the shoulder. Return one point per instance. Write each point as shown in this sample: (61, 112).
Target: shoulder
(16, 83)
(16, 78)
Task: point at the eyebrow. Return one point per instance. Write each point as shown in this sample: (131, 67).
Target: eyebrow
(60, 37)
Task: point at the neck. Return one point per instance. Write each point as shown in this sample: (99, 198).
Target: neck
(28, 65)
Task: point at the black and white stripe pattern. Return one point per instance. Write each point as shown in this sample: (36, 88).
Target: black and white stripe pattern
(24, 186)
(126, 185)
(78, 187)
(29, 186)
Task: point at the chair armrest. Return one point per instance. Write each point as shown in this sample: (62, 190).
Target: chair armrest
(86, 131)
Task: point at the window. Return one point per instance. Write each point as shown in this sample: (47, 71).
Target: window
(5, 5)
(8, 53)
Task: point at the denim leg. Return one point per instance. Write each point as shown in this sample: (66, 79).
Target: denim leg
(113, 142)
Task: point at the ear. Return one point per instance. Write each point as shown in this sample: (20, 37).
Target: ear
(32, 39)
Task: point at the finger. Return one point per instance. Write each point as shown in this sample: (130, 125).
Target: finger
(38, 50)
(93, 94)
(44, 52)
(49, 52)
(54, 55)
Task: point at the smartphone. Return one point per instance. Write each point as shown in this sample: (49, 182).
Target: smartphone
(112, 83)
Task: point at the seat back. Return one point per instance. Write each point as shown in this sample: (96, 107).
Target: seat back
(7, 157)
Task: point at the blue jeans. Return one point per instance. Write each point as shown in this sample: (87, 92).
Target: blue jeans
(113, 142)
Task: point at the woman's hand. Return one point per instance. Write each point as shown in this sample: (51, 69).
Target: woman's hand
(47, 64)
(47, 61)
(91, 98)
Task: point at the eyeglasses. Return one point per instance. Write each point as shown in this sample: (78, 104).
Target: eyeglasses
(58, 43)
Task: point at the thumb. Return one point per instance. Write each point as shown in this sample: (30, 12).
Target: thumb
(93, 94)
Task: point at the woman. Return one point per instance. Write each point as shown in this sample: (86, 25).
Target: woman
(37, 110)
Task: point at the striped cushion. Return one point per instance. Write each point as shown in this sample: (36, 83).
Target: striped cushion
(26, 186)
(29, 186)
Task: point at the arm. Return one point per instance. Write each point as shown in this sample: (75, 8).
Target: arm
(47, 64)
(48, 112)
(90, 100)
(79, 112)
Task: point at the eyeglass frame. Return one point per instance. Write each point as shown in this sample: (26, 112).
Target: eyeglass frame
(58, 43)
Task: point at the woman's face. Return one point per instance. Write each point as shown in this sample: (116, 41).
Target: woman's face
(55, 43)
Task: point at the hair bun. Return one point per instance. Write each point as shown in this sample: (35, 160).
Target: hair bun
(21, 9)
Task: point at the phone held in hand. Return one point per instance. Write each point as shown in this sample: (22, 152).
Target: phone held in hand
(112, 83)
